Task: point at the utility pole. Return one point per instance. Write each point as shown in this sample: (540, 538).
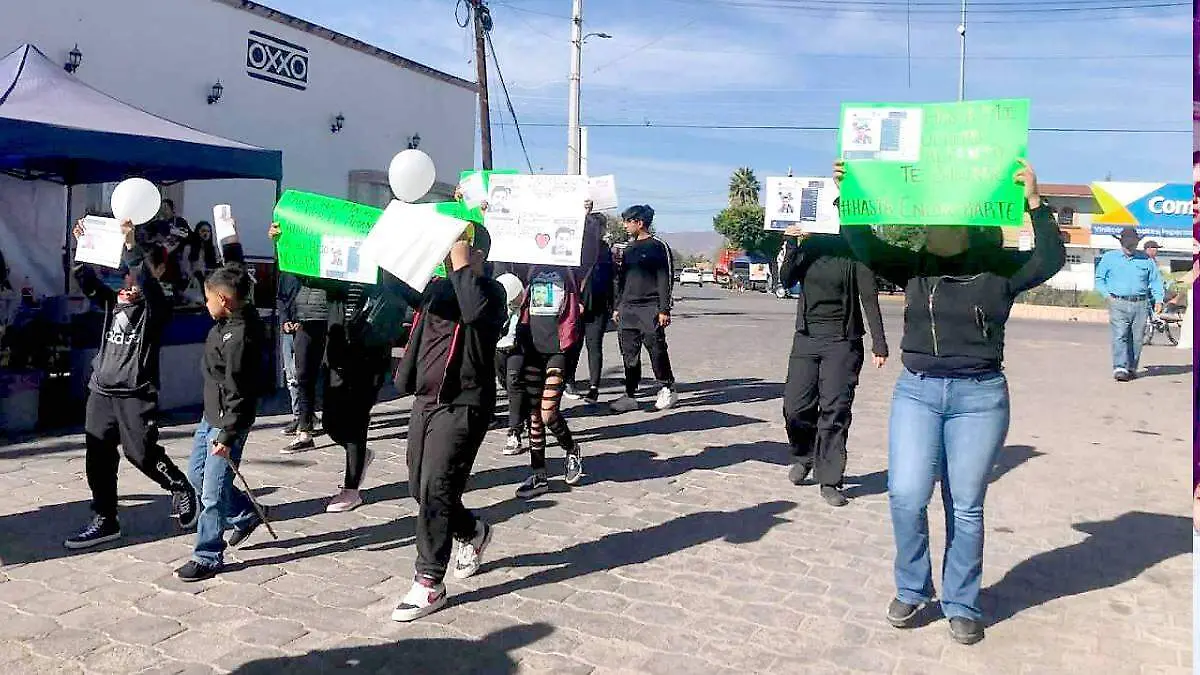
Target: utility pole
(483, 23)
(583, 151)
(573, 139)
(962, 53)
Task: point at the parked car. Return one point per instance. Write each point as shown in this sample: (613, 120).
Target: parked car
(691, 275)
(708, 277)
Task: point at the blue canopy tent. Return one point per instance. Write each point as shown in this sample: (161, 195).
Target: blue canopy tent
(55, 128)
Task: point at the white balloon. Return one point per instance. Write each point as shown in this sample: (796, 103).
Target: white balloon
(136, 200)
(513, 287)
(411, 175)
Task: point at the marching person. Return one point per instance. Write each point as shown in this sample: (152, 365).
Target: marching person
(285, 302)
(449, 368)
(550, 331)
(309, 326)
(950, 409)
(644, 282)
(232, 386)
(596, 293)
(1130, 280)
(122, 404)
(355, 372)
(827, 353)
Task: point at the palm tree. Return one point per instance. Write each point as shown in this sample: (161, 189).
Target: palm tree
(744, 188)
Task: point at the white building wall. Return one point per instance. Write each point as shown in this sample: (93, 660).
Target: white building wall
(164, 56)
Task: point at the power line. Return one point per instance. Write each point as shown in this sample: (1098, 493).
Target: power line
(508, 99)
(800, 127)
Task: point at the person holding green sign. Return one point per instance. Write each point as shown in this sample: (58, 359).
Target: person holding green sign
(950, 409)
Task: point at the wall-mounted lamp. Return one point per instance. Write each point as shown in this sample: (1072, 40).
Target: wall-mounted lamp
(215, 94)
(338, 123)
(414, 141)
(75, 57)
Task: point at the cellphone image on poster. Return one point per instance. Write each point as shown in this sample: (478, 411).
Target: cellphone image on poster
(808, 202)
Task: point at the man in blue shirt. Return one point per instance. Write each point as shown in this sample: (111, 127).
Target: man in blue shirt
(1130, 280)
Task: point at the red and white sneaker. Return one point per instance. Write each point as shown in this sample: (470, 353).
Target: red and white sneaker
(424, 598)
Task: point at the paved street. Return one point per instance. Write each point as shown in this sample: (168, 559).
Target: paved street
(685, 551)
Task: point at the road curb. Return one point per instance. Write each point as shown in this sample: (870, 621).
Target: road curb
(1043, 312)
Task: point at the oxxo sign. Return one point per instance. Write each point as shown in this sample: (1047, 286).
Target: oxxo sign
(278, 61)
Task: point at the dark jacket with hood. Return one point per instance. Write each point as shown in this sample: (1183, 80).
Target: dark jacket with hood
(956, 307)
(596, 280)
(835, 289)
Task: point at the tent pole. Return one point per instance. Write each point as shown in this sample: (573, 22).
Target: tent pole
(66, 260)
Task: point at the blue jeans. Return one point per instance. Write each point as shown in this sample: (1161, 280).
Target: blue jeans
(222, 505)
(288, 351)
(952, 429)
(1128, 322)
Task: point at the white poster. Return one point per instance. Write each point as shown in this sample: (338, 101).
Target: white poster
(102, 242)
(473, 190)
(223, 223)
(411, 240)
(886, 134)
(603, 192)
(536, 219)
(804, 201)
(347, 259)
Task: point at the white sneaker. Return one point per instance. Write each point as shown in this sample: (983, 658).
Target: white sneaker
(513, 446)
(571, 393)
(421, 600)
(667, 398)
(470, 553)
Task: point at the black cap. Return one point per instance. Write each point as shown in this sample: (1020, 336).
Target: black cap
(1130, 234)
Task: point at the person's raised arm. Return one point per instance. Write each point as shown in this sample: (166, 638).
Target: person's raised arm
(796, 257)
(1049, 253)
(469, 287)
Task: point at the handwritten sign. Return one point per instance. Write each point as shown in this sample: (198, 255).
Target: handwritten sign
(102, 243)
(324, 237)
(603, 192)
(933, 164)
(806, 202)
(537, 219)
(412, 240)
(474, 186)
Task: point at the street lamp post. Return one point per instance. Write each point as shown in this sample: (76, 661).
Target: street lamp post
(962, 53)
(574, 139)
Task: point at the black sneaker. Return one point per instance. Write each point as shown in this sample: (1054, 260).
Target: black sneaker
(799, 472)
(966, 631)
(833, 495)
(901, 614)
(241, 534)
(194, 571)
(290, 429)
(534, 486)
(184, 507)
(593, 396)
(303, 441)
(101, 530)
(574, 472)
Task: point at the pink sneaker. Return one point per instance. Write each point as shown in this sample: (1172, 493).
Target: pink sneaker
(347, 500)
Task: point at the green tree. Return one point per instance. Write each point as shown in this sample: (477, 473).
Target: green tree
(742, 227)
(906, 236)
(614, 229)
(744, 188)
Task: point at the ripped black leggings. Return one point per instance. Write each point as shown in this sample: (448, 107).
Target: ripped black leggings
(542, 377)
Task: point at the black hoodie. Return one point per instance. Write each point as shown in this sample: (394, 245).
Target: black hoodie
(233, 373)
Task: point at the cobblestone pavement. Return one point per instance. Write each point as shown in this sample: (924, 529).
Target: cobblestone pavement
(685, 551)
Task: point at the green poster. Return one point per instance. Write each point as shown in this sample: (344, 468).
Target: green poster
(933, 163)
(322, 237)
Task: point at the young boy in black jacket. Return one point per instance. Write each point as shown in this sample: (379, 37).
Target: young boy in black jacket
(122, 405)
(449, 366)
(232, 375)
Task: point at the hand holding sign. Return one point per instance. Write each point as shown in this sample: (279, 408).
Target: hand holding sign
(1025, 176)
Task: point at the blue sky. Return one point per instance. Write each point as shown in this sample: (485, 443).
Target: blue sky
(793, 62)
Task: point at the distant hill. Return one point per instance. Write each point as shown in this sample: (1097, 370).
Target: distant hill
(693, 243)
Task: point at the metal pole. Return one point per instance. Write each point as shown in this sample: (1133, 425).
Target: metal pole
(573, 139)
(583, 151)
(485, 116)
(962, 53)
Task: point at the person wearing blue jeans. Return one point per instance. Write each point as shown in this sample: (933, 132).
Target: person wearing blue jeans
(1130, 280)
(950, 410)
(222, 505)
(287, 349)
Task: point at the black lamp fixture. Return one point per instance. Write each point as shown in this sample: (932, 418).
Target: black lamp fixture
(215, 94)
(414, 141)
(75, 58)
(338, 123)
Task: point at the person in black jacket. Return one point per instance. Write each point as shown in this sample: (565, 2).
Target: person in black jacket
(233, 377)
(950, 409)
(449, 368)
(285, 302)
(307, 323)
(827, 353)
(596, 289)
(645, 277)
(122, 405)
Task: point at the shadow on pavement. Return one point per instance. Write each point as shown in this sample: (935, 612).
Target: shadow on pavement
(875, 483)
(723, 392)
(487, 656)
(1167, 371)
(687, 420)
(621, 549)
(630, 466)
(1116, 551)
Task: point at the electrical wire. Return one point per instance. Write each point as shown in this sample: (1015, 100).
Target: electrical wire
(798, 127)
(508, 99)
